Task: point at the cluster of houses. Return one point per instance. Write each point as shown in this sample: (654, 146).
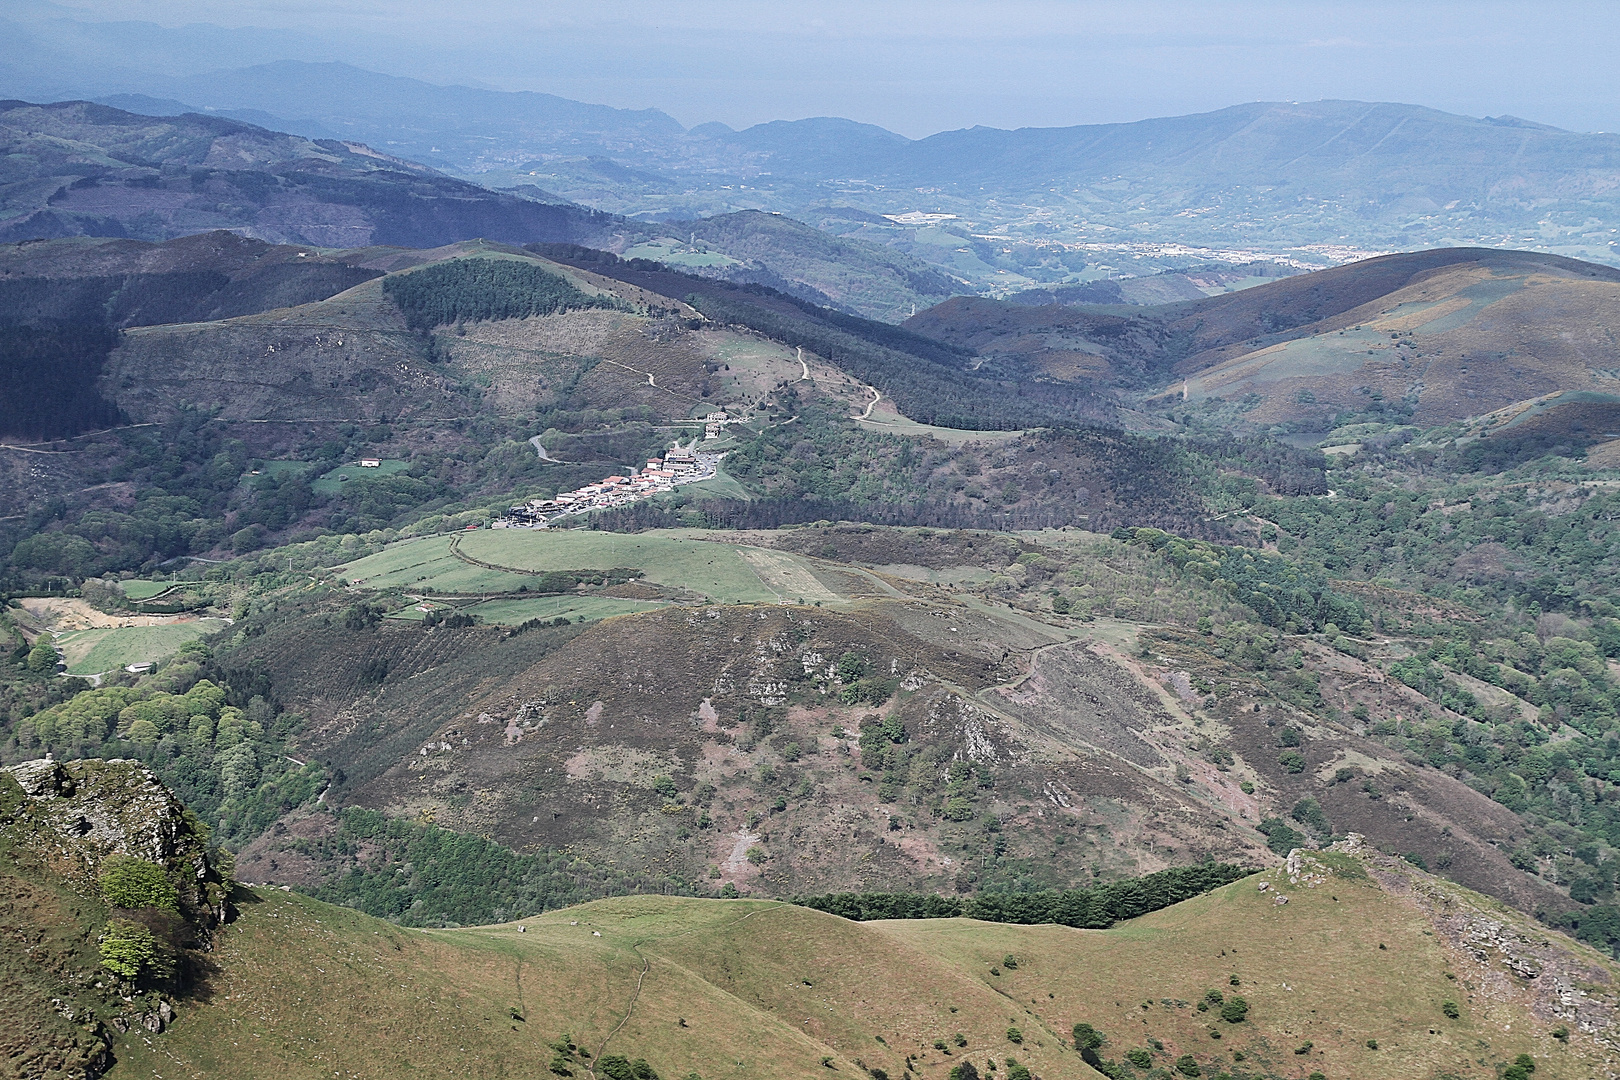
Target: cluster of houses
(679, 465)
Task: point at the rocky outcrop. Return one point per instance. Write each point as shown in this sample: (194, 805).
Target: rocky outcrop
(60, 823)
(1504, 956)
(82, 813)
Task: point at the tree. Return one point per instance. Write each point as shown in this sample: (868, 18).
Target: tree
(42, 657)
(1235, 1011)
(1087, 1037)
(136, 883)
(129, 950)
(1187, 1065)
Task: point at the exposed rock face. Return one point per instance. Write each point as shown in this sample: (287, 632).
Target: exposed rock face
(61, 822)
(1503, 956)
(90, 811)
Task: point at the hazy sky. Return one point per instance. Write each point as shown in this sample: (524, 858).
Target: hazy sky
(920, 67)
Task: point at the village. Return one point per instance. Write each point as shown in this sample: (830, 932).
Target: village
(679, 465)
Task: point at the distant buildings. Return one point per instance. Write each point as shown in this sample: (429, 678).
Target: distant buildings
(370, 463)
(679, 465)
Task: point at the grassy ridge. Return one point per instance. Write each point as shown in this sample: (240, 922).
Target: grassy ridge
(752, 988)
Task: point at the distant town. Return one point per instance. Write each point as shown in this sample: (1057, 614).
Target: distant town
(679, 465)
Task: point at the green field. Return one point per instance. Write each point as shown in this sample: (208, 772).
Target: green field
(674, 253)
(427, 563)
(720, 485)
(144, 590)
(329, 483)
(90, 652)
(671, 557)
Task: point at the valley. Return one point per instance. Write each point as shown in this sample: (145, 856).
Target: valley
(595, 646)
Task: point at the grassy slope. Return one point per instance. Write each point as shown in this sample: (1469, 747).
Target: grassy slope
(310, 990)
(91, 651)
(747, 988)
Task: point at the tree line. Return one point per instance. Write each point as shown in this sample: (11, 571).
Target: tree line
(1096, 908)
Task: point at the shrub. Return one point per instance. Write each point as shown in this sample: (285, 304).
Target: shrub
(1450, 1008)
(1139, 1057)
(1186, 1065)
(963, 1071)
(1372, 1044)
(129, 950)
(1018, 1072)
(136, 883)
(1014, 1035)
(1087, 1037)
(1235, 1011)
(1280, 836)
(1309, 813)
(1304, 1048)
(1292, 761)
(618, 1067)
(1010, 962)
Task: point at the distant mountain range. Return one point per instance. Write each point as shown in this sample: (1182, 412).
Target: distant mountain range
(1264, 175)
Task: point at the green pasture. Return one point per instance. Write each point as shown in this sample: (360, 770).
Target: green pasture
(89, 652)
(427, 563)
(674, 253)
(144, 590)
(720, 485)
(329, 483)
(670, 557)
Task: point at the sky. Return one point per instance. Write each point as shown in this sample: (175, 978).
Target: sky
(921, 67)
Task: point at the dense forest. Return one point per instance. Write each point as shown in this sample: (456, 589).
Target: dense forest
(466, 290)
